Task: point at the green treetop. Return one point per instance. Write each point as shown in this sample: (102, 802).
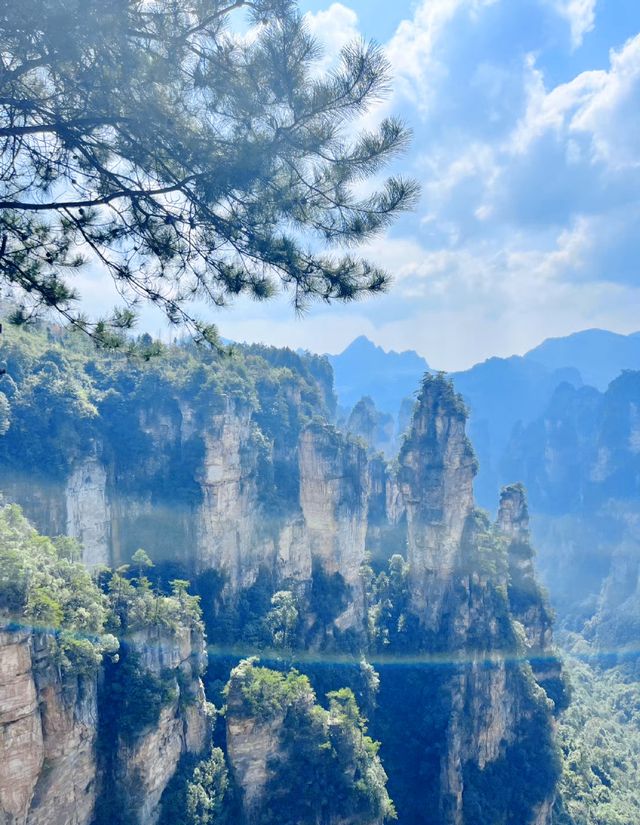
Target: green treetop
(187, 161)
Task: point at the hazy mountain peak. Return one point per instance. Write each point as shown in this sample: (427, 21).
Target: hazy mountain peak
(366, 369)
(363, 346)
(599, 355)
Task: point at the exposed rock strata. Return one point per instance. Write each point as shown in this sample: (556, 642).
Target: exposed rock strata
(48, 730)
(460, 596)
(49, 770)
(144, 767)
(437, 468)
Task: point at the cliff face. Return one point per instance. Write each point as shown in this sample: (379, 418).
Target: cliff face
(235, 477)
(461, 569)
(49, 726)
(48, 734)
(525, 597)
(581, 464)
(143, 766)
(437, 467)
(296, 762)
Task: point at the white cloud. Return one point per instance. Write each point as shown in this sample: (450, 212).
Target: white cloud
(612, 113)
(528, 225)
(412, 49)
(580, 15)
(334, 28)
(602, 105)
(552, 110)
(469, 304)
(530, 171)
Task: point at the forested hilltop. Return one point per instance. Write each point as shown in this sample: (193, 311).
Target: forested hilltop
(218, 476)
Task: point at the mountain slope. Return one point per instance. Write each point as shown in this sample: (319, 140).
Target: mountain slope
(227, 472)
(501, 392)
(581, 463)
(599, 355)
(364, 369)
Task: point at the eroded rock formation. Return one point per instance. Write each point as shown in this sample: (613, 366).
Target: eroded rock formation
(50, 770)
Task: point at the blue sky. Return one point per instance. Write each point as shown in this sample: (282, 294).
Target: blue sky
(526, 123)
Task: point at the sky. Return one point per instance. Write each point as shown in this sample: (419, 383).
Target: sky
(526, 142)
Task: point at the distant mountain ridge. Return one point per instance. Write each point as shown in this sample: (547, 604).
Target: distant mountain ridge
(364, 369)
(500, 392)
(599, 355)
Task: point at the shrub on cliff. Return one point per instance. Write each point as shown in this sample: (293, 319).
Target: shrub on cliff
(327, 768)
(42, 588)
(198, 794)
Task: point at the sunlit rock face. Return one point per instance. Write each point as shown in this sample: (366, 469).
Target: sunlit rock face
(48, 732)
(211, 493)
(50, 773)
(334, 497)
(437, 468)
(22, 747)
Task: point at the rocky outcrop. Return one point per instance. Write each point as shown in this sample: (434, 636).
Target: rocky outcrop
(460, 570)
(227, 533)
(437, 467)
(375, 428)
(22, 748)
(295, 762)
(224, 507)
(526, 601)
(145, 766)
(48, 728)
(252, 747)
(237, 533)
(334, 501)
(50, 773)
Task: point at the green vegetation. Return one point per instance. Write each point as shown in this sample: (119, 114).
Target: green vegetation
(136, 606)
(199, 792)
(327, 768)
(388, 598)
(266, 693)
(132, 697)
(330, 596)
(599, 736)
(42, 587)
(68, 402)
(283, 619)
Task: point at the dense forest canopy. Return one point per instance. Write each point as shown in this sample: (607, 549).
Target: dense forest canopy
(191, 162)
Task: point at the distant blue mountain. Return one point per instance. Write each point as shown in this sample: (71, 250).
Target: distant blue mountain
(364, 369)
(599, 355)
(500, 392)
